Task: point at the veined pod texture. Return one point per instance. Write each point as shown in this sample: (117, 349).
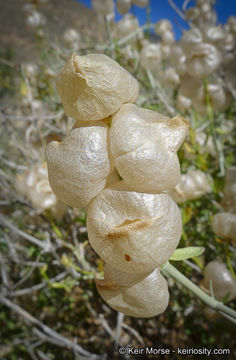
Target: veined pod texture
(224, 225)
(79, 165)
(144, 145)
(93, 86)
(134, 295)
(133, 232)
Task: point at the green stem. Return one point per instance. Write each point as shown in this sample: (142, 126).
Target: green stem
(213, 303)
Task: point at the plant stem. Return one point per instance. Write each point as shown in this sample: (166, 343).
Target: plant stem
(212, 302)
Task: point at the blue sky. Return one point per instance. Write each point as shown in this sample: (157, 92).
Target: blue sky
(161, 9)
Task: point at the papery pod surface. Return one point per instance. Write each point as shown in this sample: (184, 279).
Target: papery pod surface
(78, 166)
(192, 185)
(144, 297)
(93, 86)
(133, 232)
(202, 60)
(224, 225)
(222, 281)
(103, 7)
(123, 6)
(144, 145)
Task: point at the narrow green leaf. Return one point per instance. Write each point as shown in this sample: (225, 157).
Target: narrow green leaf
(187, 253)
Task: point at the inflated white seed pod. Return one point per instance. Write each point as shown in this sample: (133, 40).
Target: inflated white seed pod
(123, 6)
(206, 144)
(103, 7)
(92, 87)
(192, 13)
(129, 53)
(71, 38)
(202, 60)
(193, 185)
(140, 3)
(190, 37)
(125, 26)
(165, 51)
(213, 34)
(171, 76)
(150, 56)
(183, 102)
(231, 22)
(224, 225)
(229, 199)
(35, 19)
(33, 184)
(168, 38)
(134, 295)
(222, 280)
(219, 98)
(79, 165)
(178, 59)
(162, 26)
(144, 144)
(133, 232)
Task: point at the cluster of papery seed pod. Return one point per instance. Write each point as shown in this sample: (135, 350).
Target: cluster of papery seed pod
(33, 184)
(224, 223)
(107, 7)
(133, 224)
(202, 52)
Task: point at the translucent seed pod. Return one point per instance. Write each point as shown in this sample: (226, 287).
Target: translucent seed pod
(168, 38)
(35, 19)
(219, 98)
(72, 38)
(133, 232)
(150, 56)
(178, 59)
(92, 87)
(103, 7)
(171, 76)
(123, 6)
(183, 102)
(134, 295)
(31, 70)
(224, 225)
(206, 144)
(190, 37)
(162, 26)
(192, 14)
(213, 34)
(144, 145)
(79, 165)
(193, 185)
(165, 51)
(33, 184)
(232, 24)
(229, 198)
(140, 3)
(223, 283)
(202, 60)
(125, 26)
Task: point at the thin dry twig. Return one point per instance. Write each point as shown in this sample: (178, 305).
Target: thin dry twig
(49, 335)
